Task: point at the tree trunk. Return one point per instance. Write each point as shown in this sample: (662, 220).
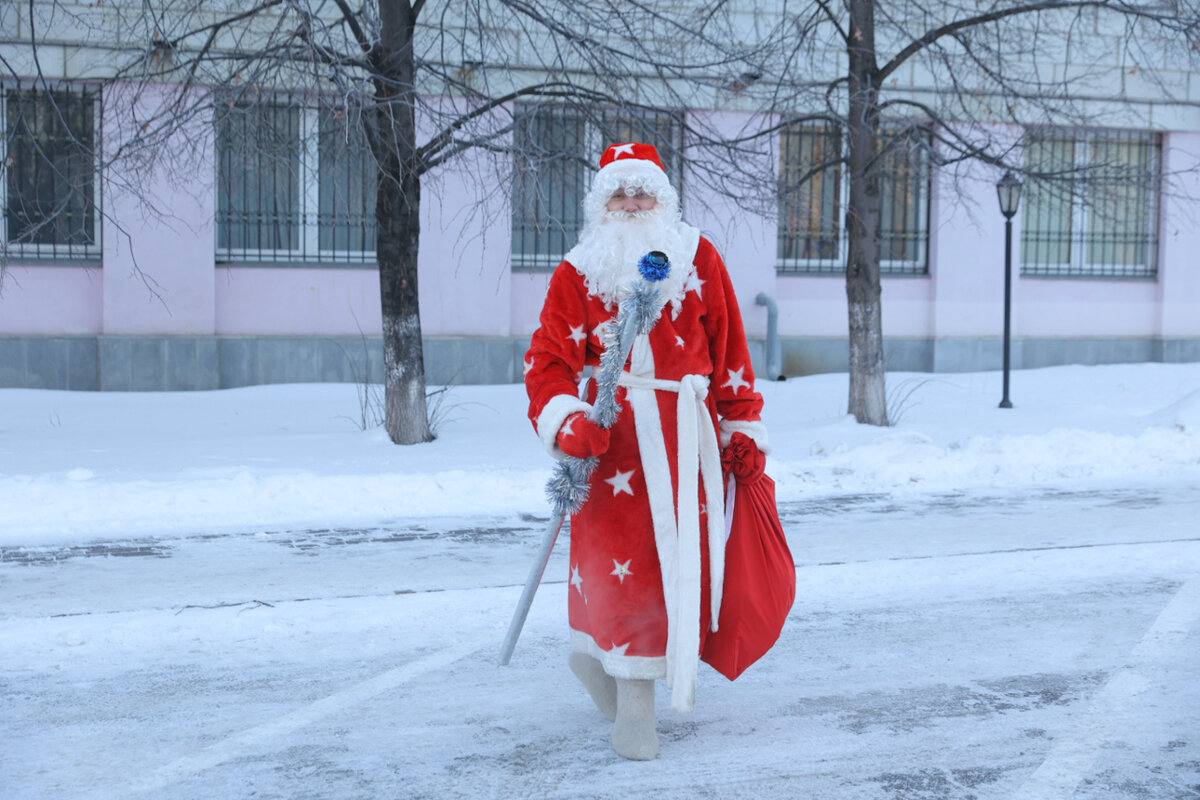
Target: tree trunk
(398, 214)
(868, 401)
(393, 138)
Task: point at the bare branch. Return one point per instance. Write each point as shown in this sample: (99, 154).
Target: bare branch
(351, 21)
(965, 23)
(428, 153)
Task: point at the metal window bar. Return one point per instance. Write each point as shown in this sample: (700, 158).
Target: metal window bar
(812, 235)
(347, 189)
(810, 225)
(48, 156)
(555, 146)
(1092, 204)
(296, 184)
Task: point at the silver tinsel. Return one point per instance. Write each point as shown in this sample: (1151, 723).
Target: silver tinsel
(568, 489)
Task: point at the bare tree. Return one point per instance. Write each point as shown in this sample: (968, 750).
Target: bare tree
(382, 68)
(424, 82)
(936, 71)
(915, 81)
(419, 82)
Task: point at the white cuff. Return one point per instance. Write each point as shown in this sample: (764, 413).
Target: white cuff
(752, 428)
(553, 415)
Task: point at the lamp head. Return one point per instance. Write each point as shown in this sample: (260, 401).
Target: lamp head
(1008, 191)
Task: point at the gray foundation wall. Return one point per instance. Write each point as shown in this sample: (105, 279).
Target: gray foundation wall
(184, 363)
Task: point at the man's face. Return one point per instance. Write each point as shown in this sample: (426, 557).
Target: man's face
(631, 199)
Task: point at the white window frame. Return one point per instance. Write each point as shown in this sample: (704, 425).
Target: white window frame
(594, 143)
(917, 267)
(1078, 265)
(308, 225)
(56, 252)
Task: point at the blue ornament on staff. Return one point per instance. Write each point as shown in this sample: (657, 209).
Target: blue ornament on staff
(654, 266)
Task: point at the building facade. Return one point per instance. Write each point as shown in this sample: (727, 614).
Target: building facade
(249, 258)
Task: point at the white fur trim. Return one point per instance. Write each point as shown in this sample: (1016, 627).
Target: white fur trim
(752, 428)
(710, 474)
(553, 415)
(619, 665)
(688, 590)
(677, 527)
(657, 471)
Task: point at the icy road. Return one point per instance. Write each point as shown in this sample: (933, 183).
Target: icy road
(1040, 646)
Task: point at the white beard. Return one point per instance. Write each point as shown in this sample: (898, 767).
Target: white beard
(608, 253)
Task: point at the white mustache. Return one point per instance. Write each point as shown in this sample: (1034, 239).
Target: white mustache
(629, 215)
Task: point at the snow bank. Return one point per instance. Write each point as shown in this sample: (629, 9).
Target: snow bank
(76, 465)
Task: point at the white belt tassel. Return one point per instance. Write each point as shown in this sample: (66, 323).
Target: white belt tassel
(680, 559)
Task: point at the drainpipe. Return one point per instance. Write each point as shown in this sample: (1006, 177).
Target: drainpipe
(774, 365)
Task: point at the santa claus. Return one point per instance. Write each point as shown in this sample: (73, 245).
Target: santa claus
(647, 549)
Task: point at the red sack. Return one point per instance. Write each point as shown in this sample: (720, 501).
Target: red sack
(760, 575)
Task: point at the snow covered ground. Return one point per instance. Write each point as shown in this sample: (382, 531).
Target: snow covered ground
(242, 594)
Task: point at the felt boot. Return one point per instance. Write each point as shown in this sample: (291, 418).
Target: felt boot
(633, 733)
(600, 685)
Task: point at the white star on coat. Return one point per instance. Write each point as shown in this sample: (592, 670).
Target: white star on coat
(565, 429)
(620, 482)
(621, 570)
(577, 335)
(693, 285)
(576, 579)
(528, 366)
(679, 341)
(622, 150)
(736, 381)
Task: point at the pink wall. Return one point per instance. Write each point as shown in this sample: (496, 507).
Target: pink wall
(466, 242)
(967, 274)
(168, 283)
(1057, 307)
(746, 240)
(158, 229)
(272, 301)
(1179, 276)
(811, 306)
(966, 267)
(50, 301)
(528, 294)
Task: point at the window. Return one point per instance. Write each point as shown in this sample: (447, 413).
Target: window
(813, 188)
(810, 198)
(294, 185)
(49, 187)
(557, 148)
(1091, 204)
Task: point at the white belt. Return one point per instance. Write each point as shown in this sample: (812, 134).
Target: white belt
(697, 452)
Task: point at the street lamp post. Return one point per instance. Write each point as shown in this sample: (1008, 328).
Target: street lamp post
(1008, 190)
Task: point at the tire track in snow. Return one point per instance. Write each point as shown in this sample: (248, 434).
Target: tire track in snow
(263, 738)
(1073, 755)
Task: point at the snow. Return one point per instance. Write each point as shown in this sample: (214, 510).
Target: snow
(79, 465)
(241, 593)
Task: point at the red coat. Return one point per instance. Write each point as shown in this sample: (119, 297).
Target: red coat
(640, 591)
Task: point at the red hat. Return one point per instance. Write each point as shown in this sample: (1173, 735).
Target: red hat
(625, 165)
(635, 150)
